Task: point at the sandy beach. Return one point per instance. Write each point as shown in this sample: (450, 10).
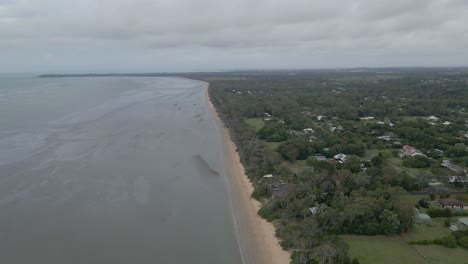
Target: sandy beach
(257, 236)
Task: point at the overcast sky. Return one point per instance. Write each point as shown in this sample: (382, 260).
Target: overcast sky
(206, 35)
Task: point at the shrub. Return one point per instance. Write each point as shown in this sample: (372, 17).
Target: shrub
(439, 212)
(424, 203)
(446, 241)
(447, 222)
(444, 195)
(461, 236)
(417, 162)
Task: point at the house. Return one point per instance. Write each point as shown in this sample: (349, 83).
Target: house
(322, 158)
(452, 203)
(432, 118)
(456, 179)
(319, 117)
(434, 182)
(367, 118)
(464, 221)
(380, 123)
(314, 210)
(461, 224)
(446, 123)
(455, 168)
(385, 138)
(295, 133)
(408, 150)
(268, 176)
(341, 158)
(420, 217)
(308, 130)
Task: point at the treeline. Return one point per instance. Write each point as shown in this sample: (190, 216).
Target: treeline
(360, 196)
(459, 237)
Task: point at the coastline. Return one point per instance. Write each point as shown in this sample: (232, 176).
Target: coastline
(263, 246)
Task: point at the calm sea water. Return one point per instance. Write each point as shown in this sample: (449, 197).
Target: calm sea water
(111, 170)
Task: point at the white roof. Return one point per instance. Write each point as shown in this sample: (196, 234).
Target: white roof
(340, 156)
(268, 176)
(425, 216)
(464, 220)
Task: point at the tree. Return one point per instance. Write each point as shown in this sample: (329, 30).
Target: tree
(390, 222)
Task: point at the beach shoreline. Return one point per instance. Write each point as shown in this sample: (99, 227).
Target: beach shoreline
(262, 246)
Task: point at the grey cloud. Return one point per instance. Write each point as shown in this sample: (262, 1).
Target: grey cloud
(213, 34)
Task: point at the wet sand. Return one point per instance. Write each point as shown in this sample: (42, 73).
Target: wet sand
(257, 240)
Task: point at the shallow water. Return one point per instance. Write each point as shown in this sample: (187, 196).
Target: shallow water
(111, 170)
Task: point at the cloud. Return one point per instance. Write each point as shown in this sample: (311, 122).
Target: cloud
(213, 34)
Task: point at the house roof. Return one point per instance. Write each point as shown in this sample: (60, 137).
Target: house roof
(424, 217)
(464, 220)
(451, 202)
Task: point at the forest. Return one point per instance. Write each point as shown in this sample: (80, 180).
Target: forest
(346, 148)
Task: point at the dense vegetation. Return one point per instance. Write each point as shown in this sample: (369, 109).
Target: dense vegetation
(326, 113)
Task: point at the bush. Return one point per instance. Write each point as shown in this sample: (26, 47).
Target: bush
(417, 162)
(432, 196)
(444, 195)
(446, 241)
(421, 242)
(462, 238)
(439, 212)
(424, 203)
(447, 222)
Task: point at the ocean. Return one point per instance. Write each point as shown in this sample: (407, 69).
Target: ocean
(112, 170)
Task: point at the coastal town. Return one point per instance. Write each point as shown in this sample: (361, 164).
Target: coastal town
(344, 160)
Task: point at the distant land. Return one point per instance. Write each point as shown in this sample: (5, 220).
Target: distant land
(259, 72)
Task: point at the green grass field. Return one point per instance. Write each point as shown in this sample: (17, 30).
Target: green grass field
(272, 145)
(442, 255)
(424, 231)
(370, 153)
(257, 123)
(395, 249)
(381, 249)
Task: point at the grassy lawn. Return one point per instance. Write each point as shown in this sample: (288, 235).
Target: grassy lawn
(381, 249)
(296, 166)
(424, 231)
(394, 249)
(396, 161)
(438, 254)
(409, 119)
(416, 197)
(272, 145)
(257, 123)
(370, 153)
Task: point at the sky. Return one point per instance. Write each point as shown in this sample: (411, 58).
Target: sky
(64, 36)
